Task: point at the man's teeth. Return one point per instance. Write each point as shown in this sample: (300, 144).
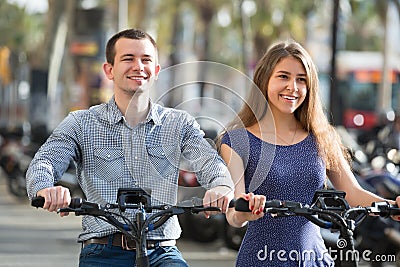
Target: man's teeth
(137, 78)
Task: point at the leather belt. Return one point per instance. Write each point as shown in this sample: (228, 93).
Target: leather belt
(119, 240)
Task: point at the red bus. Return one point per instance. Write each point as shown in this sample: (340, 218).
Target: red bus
(359, 77)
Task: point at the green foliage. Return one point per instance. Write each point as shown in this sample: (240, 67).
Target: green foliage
(182, 27)
(364, 25)
(19, 30)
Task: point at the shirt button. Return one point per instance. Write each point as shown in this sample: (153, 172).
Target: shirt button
(135, 157)
(163, 154)
(108, 156)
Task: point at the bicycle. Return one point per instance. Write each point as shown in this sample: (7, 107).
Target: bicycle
(328, 210)
(137, 229)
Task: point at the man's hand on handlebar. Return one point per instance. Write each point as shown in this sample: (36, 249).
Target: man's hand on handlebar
(56, 197)
(219, 196)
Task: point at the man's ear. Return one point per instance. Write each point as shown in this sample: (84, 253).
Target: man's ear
(158, 68)
(107, 68)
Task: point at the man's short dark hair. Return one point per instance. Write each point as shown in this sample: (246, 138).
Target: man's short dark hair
(136, 34)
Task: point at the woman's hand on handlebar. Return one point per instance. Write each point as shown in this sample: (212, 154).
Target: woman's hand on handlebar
(397, 217)
(256, 206)
(56, 197)
(245, 208)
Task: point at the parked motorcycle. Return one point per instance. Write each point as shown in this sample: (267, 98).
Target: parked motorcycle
(197, 226)
(233, 236)
(15, 156)
(376, 171)
(16, 152)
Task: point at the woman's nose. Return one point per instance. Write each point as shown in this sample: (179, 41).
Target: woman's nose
(292, 85)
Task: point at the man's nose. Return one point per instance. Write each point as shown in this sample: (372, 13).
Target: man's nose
(137, 65)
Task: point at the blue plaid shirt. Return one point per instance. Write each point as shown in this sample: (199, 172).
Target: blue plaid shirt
(110, 154)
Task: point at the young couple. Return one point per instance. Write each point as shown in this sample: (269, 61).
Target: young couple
(280, 146)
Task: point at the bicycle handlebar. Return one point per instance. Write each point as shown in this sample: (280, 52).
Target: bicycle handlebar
(279, 207)
(283, 208)
(194, 205)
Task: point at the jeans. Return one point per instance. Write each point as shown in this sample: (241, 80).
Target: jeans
(98, 255)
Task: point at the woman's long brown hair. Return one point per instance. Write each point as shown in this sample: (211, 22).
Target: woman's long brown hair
(310, 114)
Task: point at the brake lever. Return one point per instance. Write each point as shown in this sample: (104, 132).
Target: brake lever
(197, 210)
(279, 212)
(191, 203)
(68, 209)
(86, 208)
(195, 205)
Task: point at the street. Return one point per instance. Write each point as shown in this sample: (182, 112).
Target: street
(34, 237)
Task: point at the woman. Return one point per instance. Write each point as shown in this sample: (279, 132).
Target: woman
(281, 146)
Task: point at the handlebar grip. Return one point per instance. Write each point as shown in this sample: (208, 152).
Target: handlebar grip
(392, 211)
(76, 203)
(38, 202)
(241, 204)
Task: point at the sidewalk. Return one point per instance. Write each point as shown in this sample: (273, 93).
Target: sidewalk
(34, 237)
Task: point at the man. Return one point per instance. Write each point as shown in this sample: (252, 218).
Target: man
(128, 142)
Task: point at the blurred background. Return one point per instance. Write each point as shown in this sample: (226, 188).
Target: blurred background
(51, 55)
(51, 51)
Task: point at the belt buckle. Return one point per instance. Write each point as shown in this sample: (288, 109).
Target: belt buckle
(124, 243)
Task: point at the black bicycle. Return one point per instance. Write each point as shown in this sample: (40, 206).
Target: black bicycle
(136, 230)
(329, 210)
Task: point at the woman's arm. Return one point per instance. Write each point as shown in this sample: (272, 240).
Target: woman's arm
(343, 179)
(256, 202)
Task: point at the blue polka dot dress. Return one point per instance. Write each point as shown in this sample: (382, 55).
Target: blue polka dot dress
(291, 173)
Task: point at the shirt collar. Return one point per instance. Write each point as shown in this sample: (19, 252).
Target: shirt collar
(115, 115)
(153, 114)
